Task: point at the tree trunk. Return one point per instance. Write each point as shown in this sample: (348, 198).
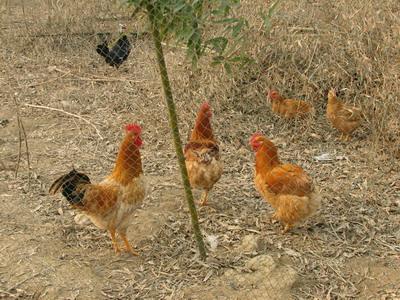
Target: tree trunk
(173, 120)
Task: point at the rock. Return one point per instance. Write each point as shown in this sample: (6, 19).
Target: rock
(4, 122)
(267, 280)
(261, 262)
(249, 244)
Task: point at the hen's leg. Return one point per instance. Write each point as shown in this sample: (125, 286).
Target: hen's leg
(287, 228)
(274, 218)
(345, 137)
(204, 198)
(114, 241)
(128, 247)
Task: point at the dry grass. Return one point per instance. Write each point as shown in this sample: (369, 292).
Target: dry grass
(48, 58)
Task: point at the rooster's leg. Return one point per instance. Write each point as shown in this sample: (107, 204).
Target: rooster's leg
(114, 241)
(204, 199)
(127, 244)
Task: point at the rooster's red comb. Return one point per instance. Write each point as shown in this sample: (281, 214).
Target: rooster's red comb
(135, 128)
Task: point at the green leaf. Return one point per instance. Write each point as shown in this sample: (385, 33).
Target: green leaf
(242, 60)
(184, 21)
(268, 16)
(238, 28)
(179, 7)
(217, 60)
(218, 44)
(227, 21)
(228, 68)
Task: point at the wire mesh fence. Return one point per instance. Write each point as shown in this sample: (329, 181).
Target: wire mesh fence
(85, 79)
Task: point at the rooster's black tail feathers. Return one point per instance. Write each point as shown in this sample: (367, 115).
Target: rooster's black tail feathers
(72, 186)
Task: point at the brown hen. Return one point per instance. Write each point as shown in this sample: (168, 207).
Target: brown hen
(286, 187)
(343, 117)
(289, 108)
(202, 154)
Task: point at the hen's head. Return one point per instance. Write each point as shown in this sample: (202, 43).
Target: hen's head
(135, 131)
(258, 139)
(273, 95)
(255, 141)
(202, 128)
(331, 94)
(205, 108)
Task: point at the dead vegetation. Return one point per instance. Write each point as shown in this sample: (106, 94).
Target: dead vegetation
(348, 251)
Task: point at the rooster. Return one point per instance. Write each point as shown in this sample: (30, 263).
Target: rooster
(286, 187)
(110, 203)
(343, 117)
(118, 53)
(289, 108)
(202, 154)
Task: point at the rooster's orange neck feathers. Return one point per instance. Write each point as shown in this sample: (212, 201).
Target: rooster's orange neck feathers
(129, 163)
(202, 129)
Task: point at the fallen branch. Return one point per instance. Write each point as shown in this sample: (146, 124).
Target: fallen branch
(100, 79)
(48, 81)
(67, 113)
(135, 35)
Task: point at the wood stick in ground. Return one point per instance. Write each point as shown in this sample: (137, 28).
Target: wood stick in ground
(21, 131)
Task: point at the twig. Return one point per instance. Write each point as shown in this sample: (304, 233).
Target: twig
(98, 78)
(21, 131)
(19, 144)
(27, 152)
(23, 281)
(340, 276)
(80, 34)
(29, 225)
(49, 81)
(135, 12)
(67, 113)
(311, 59)
(23, 13)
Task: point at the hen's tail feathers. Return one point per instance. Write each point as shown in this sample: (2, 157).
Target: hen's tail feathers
(103, 49)
(123, 42)
(296, 209)
(72, 186)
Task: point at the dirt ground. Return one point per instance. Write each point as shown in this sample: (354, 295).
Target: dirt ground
(349, 250)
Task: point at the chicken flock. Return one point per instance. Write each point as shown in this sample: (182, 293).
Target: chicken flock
(111, 203)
